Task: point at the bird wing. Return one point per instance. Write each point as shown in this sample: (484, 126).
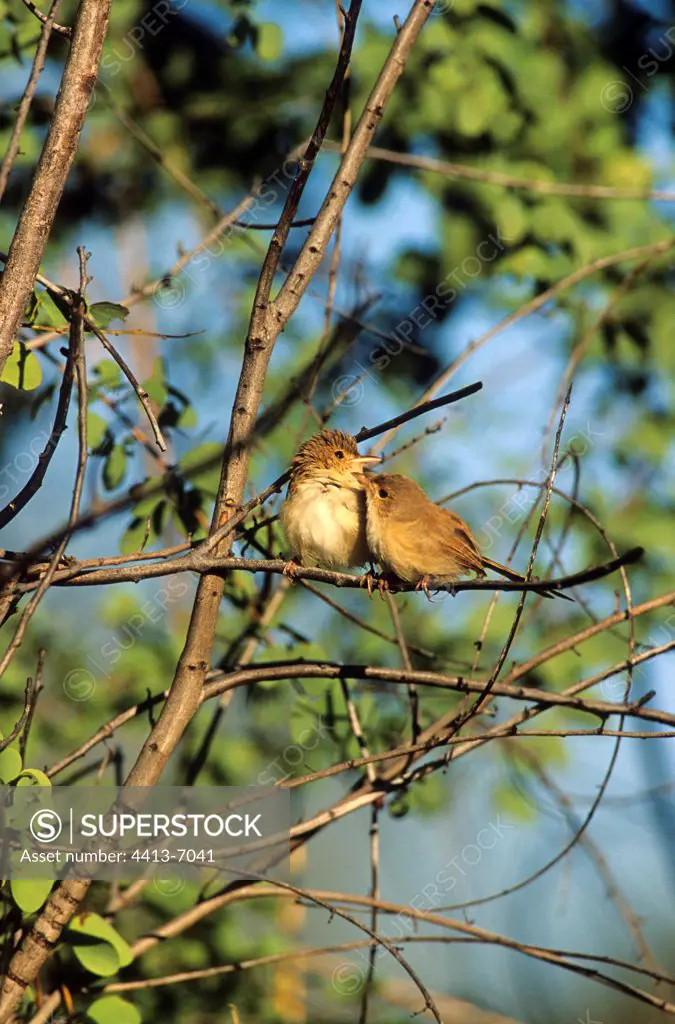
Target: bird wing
(431, 541)
(459, 541)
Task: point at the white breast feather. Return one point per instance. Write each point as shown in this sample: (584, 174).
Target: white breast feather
(325, 525)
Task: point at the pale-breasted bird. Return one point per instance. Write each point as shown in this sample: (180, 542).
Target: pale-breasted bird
(419, 542)
(324, 514)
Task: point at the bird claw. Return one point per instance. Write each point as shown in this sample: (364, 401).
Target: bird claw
(290, 570)
(383, 586)
(424, 585)
(367, 581)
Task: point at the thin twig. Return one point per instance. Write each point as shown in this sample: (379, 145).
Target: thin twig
(540, 300)
(58, 152)
(218, 683)
(28, 700)
(76, 354)
(36, 478)
(355, 726)
(39, 940)
(141, 393)
(63, 30)
(65, 301)
(561, 958)
(37, 690)
(413, 696)
(48, 24)
(488, 177)
(375, 896)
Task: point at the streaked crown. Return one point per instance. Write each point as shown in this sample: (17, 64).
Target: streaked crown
(329, 450)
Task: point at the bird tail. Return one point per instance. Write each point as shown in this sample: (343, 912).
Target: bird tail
(517, 577)
(511, 574)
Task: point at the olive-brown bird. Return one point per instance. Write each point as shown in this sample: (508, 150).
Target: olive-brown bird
(421, 543)
(324, 514)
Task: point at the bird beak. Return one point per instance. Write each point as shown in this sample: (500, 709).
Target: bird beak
(363, 479)
(365, 460)
(358, 464)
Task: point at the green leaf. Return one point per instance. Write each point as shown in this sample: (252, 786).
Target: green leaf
(512, 802)
(22, 370)
(99, 948)
(156, 385)
(33, 777)
(134, 536)
(399, 805)
(103, 313)
(428, 795)
(113, 1010)
(30, 313)
(115, 468)
(208, 452)
(30, 893)
(108, 373)
(48, 313)
(270, 41)
(156, 389)
(146, 506)
(98, 958)
(96, 429)
(10, 764)
(188, 418)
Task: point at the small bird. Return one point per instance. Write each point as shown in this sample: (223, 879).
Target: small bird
(324, 514)
(420, 542)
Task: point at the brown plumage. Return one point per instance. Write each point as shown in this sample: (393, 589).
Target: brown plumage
(421, 543)
(324, 514)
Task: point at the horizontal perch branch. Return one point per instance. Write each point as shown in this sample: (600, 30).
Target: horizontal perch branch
(139, 492)
(196, 561)
(220, 682)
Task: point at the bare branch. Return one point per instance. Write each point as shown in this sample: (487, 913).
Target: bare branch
(198, 561)
(315, 244)
(63, 30)
(48, 23)
(548, 188)
(58, 152)
(561, 958)
(39, 941)
(34, 482)
(638, 253)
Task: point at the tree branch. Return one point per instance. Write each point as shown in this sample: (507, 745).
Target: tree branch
(488, 177)
(314, 247)
(198, 561)
(58, 152)
(48, 24)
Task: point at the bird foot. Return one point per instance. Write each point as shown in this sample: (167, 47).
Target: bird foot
(424, 585)
(290, 570)
(383, 586)
(367, 581)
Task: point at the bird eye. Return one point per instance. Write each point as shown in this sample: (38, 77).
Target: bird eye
(339, 454)
(382, 493)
